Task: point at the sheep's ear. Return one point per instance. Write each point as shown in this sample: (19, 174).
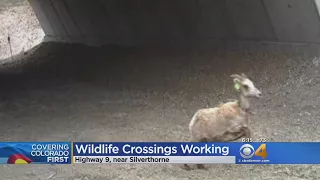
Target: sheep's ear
(237, 84)
(237, 81)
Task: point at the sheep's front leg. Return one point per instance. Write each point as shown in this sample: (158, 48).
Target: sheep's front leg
(247, 133)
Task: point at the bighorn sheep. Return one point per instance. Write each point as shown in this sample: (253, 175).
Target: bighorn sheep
(227, 122)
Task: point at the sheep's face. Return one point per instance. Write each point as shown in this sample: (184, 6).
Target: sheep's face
(249, 90)
(246, 86)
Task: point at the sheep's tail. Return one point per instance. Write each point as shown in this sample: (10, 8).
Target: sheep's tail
(193, 121)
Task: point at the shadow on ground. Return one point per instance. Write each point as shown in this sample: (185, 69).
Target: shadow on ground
(59, 92)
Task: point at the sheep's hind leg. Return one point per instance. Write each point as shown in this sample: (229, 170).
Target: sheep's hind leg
(186, 166)
(201, 166)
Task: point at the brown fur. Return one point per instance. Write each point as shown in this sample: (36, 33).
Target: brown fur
(228, 122)
(224, 123)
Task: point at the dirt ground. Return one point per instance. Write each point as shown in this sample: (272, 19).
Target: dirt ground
(77, 93)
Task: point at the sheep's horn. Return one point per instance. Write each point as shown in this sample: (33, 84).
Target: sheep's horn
(236, 76)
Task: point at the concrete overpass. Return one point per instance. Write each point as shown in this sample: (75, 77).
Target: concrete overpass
(184, 22)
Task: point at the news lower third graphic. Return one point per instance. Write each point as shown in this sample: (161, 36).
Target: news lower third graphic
(35, 153)
(159, 153)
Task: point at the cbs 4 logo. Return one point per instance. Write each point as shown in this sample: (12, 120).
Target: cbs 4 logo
(247, 151)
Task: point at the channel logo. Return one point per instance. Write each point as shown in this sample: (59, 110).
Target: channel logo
(247, 151)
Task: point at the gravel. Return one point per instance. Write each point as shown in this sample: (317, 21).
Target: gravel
(77, 93)
(18, 22)
(62, 92)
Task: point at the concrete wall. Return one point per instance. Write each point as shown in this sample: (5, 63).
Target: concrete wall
(153, 22)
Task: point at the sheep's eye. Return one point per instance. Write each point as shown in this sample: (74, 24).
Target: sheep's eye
(246, 87)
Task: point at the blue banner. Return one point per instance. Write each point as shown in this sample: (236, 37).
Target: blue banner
(35, 153)
(244, 153)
